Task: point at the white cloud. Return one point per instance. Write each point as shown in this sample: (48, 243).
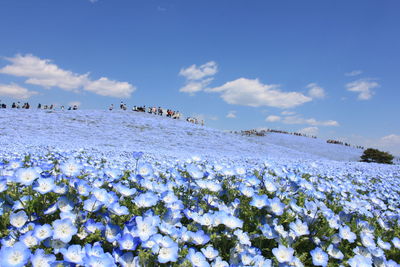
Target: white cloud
(353, 73)
(231, 114)
(363, 87)
(195, 86)
(315, 91)
(198, 78)
(286, 112)
(106, 87)
(15, 91)
(309, 131)
(273, 118)
(43, 72)
(248, 92)
(300, 120)
(196, 73)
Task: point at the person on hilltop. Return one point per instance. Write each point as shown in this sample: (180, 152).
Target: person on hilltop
(111, 107)
(39, 106)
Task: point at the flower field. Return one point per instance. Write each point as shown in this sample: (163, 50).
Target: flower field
(80, 209)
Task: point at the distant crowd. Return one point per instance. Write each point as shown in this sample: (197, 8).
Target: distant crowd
(18, 105)
(263, 132)
(331, 141)
(158, 111)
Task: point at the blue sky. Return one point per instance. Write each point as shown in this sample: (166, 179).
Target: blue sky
(329, 68)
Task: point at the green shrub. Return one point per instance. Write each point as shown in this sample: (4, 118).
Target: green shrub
(375, 155)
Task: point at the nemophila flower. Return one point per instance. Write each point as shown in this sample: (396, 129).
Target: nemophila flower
(44, 185)
(71, 168)
(146, 226)
(259, 201)
(73, 254)
(299, 228)
(213, 186)
(145, 170)
(268, 231)
(29, 239)
(15, 256)
(319, 257)
(347, 234)
(128, 242)
(18, 219)
(41, 259)
(92, 204)
(207, 219)
(137, 155)
(41, 232)
(242, 237)
(127, 259)
(383, 244)
(210, 253)
(146, 200)
(199, 238)
(219, 262)
(359, 261)
(83, 188)
(367, 240)
(92, 226)
(117, 209)
(276, 206)
(334, 252)
(26, 176)
(396, 242)
(104, 259)
(283, 254)
(270, 186)
(231, 221)
(124, 190)
(64, 204)
(246, 190)
(168, 254)
(197, 259)
(64, 230)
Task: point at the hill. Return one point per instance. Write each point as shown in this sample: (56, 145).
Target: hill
(119, 132)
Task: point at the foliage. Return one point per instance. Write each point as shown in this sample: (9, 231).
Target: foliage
(375, 155)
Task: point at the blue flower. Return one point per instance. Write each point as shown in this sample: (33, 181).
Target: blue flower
(15, 256)
(44, 185)
(259, 201)
(360, 261)
(276, 206)
(346, 233)
(74, 254)
(41, 259)
(137, 155)
(41, 232)
(64, 230)
(71, 168)
(18, 219)
(299, 228)
(283, 254)
(319, 257)
(128, 242)
(197, 259)
(26, 176)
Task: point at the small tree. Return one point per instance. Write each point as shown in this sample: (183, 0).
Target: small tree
(375, 155)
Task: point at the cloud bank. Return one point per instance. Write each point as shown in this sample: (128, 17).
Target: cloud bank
(44, 73)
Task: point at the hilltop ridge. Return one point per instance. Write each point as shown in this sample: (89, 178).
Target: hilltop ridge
(116, 132)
